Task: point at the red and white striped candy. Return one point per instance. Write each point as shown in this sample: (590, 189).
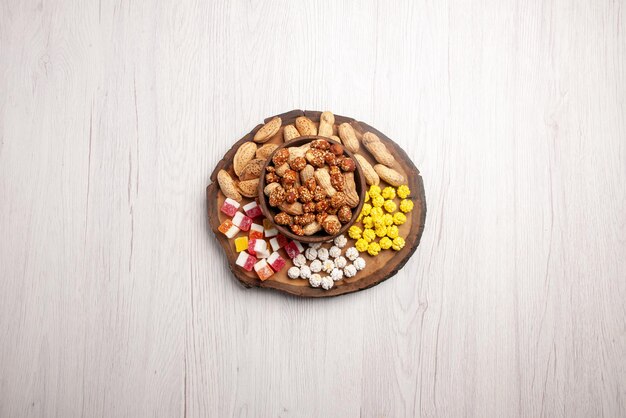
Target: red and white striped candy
(276, 262)
(253, 210)
(278, 242)
(246, 261)
(230, 206)
(293, 248)
(241, 221)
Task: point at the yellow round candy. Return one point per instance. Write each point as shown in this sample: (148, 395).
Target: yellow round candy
(369, 235)
(393, 232)
(381, 232)
(399, 218)
(367, 196)
(368, 222)
(385, 243)
(373, 249)
(374, 190)
(376, 212)
(406, 205)
(379, 223)
(361, 245)
(366, 209)
(398, 243)
(378, 201)
(388, 193)
(403, 191)
(354, 232)
(388, 219)
(390, 206)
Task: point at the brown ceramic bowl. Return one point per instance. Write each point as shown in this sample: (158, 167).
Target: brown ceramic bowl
(269, 212)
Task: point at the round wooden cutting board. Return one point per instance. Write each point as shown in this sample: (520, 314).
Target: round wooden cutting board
(378, 269)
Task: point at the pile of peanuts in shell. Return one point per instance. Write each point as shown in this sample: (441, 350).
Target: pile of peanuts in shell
(312, 187)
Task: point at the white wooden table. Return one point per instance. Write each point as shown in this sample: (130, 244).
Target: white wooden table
(115, 300)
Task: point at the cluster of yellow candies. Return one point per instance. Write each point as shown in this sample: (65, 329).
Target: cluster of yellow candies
(380, 219)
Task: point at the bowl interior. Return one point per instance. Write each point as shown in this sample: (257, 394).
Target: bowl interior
(321, 236)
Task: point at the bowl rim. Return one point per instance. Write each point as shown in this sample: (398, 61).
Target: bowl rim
(359, 181)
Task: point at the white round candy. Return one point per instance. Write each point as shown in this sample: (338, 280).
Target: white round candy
(327, 283)
(299, 260)
(336, 274)
(349, 271)
(316, 266)
(341, 241)
(305, 272)
(322, 254)
(315, 280)
(328, 266)
(315, 245)
(340, 262)
(310, 254)
(334, 251)
(359, 263)
(352, 253)
(293, 272)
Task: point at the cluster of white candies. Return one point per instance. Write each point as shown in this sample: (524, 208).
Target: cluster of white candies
(328, 261)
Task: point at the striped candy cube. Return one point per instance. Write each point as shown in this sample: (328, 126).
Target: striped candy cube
(258, 248)
(227, 228)
(293, 248)
(246, 261)
(253, 210)
(278, 242)
(230, 206)
(256, 231)
(276, 262)
(270, 229)
(263, 270)
(241, 221)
